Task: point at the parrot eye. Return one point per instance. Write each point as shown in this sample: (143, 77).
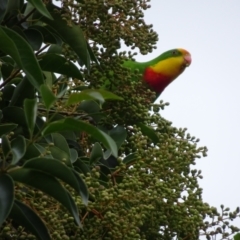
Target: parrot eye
(174, 52)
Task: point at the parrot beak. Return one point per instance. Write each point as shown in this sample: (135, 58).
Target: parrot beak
(188, 59)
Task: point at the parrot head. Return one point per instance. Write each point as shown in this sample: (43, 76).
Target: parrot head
(161, 71)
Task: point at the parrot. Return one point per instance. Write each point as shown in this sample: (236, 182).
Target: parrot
(162, 70)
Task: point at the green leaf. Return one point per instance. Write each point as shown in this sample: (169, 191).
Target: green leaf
(6, 128)
(15, 81)
(92, 94)
(72, 35)
(54, 63)
(29, 11)
(30, 110)
(20, 93)
(7, 66)
(34, 38)
(104, 175)
(110, 162)
(96, 153)
(76, 125)
(6, 196)
(92, 108)
(89, 106)
(27, 218)
(84, 191)
(47, 184)
(75, 98)
(41, 149)
(18, 149)
(118, 134)
(57, 169)
(19, 31)
(62, 86)
(40, 123)
(6, 146)
(131, 158)
(38, 4)
(92, 56)
(149, 132)
(81, 166)
(47, 96)
(13, 7)
(60, 142)
(49, 78)
(73, 155)
(81, 88)
(3, 10)
(107, 154)
(32, 151)
(10, 114)
(55, 48)
(59, 154)
(48, 35)
(105, 94)
(7, 93)
(17, 47)
(237, 236)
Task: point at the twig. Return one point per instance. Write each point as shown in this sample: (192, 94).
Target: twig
(26, 17)
(10, 78)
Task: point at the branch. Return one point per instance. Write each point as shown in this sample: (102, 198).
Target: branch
(15, 73)
(26, 17)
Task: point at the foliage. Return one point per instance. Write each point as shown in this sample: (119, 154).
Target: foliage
(82, 156)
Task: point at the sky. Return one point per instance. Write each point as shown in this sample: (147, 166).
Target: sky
(205, 98)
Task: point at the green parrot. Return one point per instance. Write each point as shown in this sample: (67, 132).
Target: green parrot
(162, 70)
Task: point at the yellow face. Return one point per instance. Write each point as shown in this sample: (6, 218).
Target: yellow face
(173, 66)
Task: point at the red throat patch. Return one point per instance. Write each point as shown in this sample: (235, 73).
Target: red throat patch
(156, 81)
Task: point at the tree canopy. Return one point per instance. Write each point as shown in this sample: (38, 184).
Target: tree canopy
(85, 153)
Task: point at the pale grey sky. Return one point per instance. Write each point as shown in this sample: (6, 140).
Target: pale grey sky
(205, 98)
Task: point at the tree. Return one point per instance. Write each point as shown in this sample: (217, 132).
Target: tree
(82, 156)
